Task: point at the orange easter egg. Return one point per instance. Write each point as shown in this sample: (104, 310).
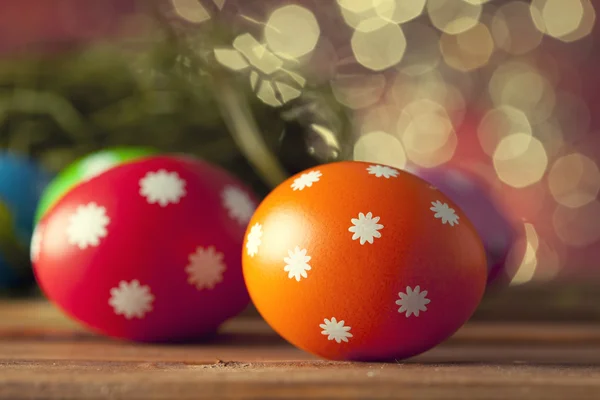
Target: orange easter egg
(358, 261)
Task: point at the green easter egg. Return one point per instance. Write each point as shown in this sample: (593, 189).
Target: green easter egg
(84, 169)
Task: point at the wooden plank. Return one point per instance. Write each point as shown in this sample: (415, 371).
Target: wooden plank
(287, 380)
(45, 355)
(38, 318)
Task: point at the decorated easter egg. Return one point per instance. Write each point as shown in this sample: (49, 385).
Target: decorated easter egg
(85, 169)
(474, 196)
(22, 182)
(358, 261)
(148, 250)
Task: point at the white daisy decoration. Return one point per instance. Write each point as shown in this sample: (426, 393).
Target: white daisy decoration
(306, 180)
(205, 268)
(162, 187)
(97, 164)
(413, 301)
(254, 239)
(444, 212)
(296, 264)
(131, 299)
(238, 204)
(87, 226)
(382, 171)
(365, 228)
(36, 244)
(335, 330)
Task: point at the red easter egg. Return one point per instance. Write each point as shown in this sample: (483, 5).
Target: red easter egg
(357, 261)
(147, 251)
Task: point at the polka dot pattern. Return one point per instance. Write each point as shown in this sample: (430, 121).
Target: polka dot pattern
(147, 238)
(330, 228)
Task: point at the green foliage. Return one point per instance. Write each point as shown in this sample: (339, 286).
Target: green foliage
(157, 93)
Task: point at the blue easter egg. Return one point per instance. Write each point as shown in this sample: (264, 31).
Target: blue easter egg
(22, 182)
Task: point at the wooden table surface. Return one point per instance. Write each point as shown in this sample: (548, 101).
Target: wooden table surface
(45, 356)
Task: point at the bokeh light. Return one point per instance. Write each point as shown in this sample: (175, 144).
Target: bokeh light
(520, 160)
(292, 32)
(565, 20)
(455, 16)
(527, 268)
(578, 227)
(467, 50)
(522, 86)
(586, 25)
(361, 15)
(477, 2)
(468, 82)
(380, 147)
(427, 133)
(574, 180)
(356, 6)
(506, 88)
(380, 48)
(269, 79)
(399, 11)
(191, 10)
(380, 117)
(513, 28)
(550, 133)
(498, 123)
(232, 59)
(358, 91)
(257, 54)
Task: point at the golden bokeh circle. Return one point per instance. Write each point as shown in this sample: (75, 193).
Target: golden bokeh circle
(513, 28)
(574, 180)
(380, 147)
(453, 17)
(292, 31)
(468, 50)
(379, 49)
(520, 160)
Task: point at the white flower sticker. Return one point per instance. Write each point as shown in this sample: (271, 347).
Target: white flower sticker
(131, 299)
(97, 164)
(36, 244)
(413, 301)
(335, 330)
(444, 212)
(382, 171)
(306, 180)
(205, 268)
(87, 226)
(238, 204)
(162, 187)
(254, 239)
(365, 228)
(296, 264)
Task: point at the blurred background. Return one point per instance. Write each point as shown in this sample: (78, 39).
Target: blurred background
(505, 89)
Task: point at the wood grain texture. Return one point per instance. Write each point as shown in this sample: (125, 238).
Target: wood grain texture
(45, 356)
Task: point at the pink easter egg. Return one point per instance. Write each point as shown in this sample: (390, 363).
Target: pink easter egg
(148, 251)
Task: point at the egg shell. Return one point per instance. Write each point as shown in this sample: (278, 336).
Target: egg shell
(128, 253)
(348, 261)
(84, 169)
(22, 181)
(474, 196)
